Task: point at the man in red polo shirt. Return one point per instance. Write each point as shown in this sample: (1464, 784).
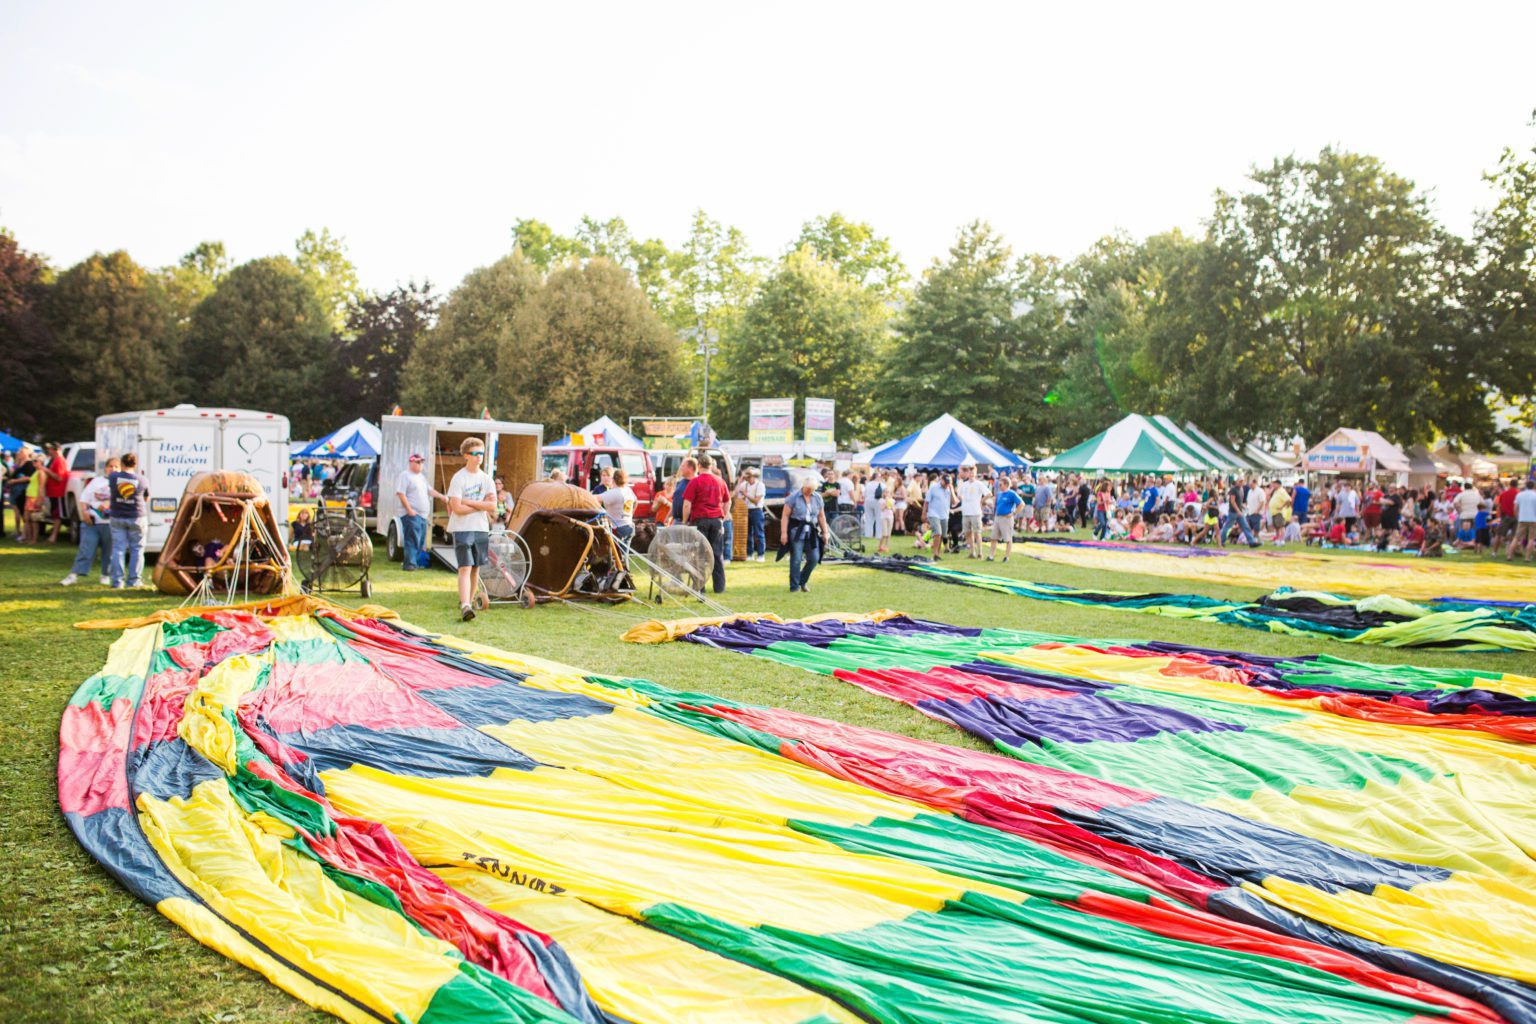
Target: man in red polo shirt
(706, 500)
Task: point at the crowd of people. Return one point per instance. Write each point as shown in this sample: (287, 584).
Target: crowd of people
(972, 509)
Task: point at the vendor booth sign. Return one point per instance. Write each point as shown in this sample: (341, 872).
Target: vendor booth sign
(771, 421)
(1339, 458)
(820, 420)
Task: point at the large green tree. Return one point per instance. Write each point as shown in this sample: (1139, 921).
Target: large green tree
(809, 332)
(856, 251)
(453, 370)
(28, 370)
(1344, 304)
(262, 340)
(588, 343)
(382, 332)
(974, 341)
(1501, 291)
(115, 349)
(323, 258)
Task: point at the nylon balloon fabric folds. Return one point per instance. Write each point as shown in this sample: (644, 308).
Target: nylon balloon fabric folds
(401, 827)
(1405, 576)
(1377, 620)
(1384, 809)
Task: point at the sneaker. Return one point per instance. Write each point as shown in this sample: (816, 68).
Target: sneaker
(466, 612)
(143, 585)
(68, 581)
(105, 580)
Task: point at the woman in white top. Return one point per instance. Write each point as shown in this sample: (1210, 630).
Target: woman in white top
(619, 502)
(874, 494)
(887, 511)
(752, 494)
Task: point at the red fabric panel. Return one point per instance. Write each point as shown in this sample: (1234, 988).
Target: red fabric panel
(91, 744)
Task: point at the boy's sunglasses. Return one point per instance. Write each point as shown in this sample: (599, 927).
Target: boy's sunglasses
(477, 451)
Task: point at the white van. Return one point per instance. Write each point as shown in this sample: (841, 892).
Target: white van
(173, 445)
(511, 455)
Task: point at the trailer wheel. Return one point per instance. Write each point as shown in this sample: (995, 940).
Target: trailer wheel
(392, 548)
(366, 588)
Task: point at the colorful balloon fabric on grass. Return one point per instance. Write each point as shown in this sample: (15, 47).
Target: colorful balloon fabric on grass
(1385, 809)
(1405, 576)
(400, 827)
(1379, 620)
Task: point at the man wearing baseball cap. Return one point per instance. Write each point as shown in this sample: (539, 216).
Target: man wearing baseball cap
(415, 498)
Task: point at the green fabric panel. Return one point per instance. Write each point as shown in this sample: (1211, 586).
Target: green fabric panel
(1250, 715)
(258, 794)
(1205, 766)
(983, 959)
(104, 689)
(315, 651)
(476, 996)
(194, 629)
(991, 855)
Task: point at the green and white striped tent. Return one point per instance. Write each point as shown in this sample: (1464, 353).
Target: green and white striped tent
(1142, 444)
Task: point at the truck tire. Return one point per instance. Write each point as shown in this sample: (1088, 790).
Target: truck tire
(392, 547)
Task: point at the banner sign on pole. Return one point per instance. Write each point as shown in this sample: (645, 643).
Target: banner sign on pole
(771, 420)
(820, 420)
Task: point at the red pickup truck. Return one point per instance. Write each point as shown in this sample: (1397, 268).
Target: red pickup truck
(583, 467)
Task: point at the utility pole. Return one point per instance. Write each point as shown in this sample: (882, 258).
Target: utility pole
(708, 344)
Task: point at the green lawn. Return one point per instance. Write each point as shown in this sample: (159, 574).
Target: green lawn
(76, 947)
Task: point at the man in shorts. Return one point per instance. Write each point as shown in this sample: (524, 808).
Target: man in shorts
(1525, 522)
(1008, 502)
(471, 500)
(973, 495)
(936, 502)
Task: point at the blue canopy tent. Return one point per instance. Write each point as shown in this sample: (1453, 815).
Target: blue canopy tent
(946, 443)
(357, 440)
(9, 443)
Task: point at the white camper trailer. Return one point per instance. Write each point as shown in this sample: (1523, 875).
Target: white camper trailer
(173, 445)
(511, 455)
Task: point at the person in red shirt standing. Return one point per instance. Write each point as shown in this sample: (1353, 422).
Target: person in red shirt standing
(706, 502)
(1507, 512)
(55, 486)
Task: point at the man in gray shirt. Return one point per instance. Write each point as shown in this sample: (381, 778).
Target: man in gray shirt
(415, 499)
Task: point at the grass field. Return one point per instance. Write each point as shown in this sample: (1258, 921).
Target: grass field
(74, 946)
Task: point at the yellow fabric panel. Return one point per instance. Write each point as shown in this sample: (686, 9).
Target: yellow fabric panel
(292, 628)
(1422, 821)
(642, 752)
(658, 631)
(130, 654)
(251, 879)
(625, 849)
(1400, 576)
(641, 974)
(296, 604)
(1461, 920)
(203, 724)
(207, 928)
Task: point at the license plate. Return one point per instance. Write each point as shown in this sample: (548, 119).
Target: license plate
(162, 504)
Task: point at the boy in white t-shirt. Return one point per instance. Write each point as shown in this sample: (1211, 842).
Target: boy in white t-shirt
(471, 500)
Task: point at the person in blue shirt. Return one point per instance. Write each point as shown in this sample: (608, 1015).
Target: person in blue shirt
(1007, 503)
(803, 532)
(1301, 497)
(1149, 496)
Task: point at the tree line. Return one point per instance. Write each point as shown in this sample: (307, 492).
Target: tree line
(1325, 293)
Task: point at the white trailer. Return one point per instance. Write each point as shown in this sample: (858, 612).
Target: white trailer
(511, 455)
(173, 445)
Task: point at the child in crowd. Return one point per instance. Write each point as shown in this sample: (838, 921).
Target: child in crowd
(1162, 532)
(1138, 528)
(302, 535)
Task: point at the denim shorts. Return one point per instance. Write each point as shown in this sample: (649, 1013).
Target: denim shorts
(470, 547)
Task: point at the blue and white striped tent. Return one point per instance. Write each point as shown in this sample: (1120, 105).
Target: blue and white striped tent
(946, 443)
(357, 440)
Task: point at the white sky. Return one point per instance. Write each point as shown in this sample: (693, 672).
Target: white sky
(421, 131)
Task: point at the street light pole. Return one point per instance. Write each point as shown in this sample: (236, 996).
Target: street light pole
(708, 344)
